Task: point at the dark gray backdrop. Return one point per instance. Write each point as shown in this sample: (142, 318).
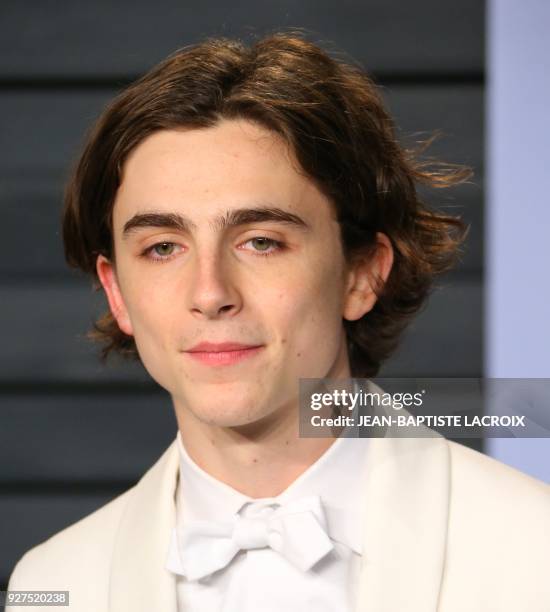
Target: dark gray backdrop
(74, 434)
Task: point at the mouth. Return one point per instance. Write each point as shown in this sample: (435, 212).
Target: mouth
(224, 353)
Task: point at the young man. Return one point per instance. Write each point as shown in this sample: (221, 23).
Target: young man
(253, 222)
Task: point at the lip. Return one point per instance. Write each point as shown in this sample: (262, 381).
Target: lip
(222, 353)
(220, 347)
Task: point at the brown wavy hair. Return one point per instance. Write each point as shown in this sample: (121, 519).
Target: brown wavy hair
(332, 115)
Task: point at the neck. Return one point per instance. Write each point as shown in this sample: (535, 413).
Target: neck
(262, 465)
(260, 459)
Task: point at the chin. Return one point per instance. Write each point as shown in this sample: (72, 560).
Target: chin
(225, 407)
(231, 418)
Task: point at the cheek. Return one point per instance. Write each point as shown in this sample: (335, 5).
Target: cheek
(151, 311)
(152, 319)
(309, 312)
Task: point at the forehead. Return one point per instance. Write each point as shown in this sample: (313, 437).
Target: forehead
(205, 172)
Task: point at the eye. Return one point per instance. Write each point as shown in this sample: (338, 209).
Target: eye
(164, 248)
(265, 246)
(162, 251)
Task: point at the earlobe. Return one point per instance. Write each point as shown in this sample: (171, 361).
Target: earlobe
(107, 276)
(365, 275)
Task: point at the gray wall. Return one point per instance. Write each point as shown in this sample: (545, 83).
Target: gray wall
(518, 280)
(74, 434)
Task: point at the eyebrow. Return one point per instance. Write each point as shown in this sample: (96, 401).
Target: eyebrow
(232, 218)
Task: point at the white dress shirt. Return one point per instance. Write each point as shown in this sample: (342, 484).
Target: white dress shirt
(261, 579)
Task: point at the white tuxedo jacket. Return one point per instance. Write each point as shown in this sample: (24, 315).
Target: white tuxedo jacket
(446, 528)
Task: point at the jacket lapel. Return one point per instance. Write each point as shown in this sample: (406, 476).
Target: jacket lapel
(139, 582)
(406, 515)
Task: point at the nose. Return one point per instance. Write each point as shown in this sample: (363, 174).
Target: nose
(213, 293)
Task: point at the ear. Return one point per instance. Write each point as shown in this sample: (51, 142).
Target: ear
(107, 276)
(362, 277)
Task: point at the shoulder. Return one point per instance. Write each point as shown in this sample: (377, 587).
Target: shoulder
(80, 558)
(498, 538)
(486, 485)
(85, 546)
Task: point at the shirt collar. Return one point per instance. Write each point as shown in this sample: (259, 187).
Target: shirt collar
(335, 477)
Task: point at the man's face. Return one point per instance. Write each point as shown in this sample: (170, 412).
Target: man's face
(229, 272)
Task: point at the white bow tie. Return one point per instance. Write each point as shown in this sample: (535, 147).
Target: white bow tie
(296, 530)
